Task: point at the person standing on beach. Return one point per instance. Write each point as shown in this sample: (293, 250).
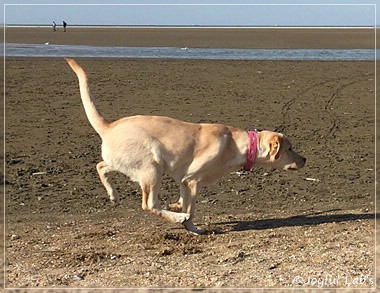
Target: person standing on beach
(54, 26)
(64, 26)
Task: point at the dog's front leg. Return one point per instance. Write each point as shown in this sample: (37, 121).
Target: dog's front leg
(189, 192)
(177, 207)
(150, 185)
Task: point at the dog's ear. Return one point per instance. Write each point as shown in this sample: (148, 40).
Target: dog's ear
(274, 146)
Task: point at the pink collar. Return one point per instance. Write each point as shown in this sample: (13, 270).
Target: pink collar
(252, 148)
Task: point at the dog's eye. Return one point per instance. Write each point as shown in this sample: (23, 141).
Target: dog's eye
(290, 149)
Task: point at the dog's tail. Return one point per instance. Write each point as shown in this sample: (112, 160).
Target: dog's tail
(96, 119)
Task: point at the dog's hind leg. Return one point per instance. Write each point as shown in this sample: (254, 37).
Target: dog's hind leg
(150, 185)
(105, 173)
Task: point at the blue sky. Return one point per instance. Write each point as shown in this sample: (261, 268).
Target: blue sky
(222, 12)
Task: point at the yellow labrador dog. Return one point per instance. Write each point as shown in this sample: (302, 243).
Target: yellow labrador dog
(195, 155)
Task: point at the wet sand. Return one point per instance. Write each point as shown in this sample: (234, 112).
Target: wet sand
(262, 38)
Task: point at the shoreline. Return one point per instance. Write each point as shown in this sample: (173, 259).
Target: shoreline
(200, 37)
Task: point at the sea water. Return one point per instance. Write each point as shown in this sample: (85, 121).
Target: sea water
(52, 50)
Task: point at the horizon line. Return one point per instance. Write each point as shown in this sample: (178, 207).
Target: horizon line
(193, 26)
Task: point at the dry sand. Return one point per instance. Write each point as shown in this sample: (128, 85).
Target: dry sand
(265, 228)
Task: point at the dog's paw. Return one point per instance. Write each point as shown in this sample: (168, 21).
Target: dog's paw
(185, 217)
(115, 201)
(175, 207)
(180, 217)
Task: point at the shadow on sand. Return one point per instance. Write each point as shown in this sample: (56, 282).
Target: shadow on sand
(300, 220)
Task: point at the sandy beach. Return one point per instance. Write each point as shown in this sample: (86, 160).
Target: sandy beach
(255, 38)
(265, 228)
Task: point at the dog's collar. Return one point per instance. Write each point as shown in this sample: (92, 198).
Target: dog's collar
(252, 149)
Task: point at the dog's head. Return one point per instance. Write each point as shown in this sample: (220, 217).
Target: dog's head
(275, 150)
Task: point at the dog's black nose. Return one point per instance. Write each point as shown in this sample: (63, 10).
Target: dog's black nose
(304, 160)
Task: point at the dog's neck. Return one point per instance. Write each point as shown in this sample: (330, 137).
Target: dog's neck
(253, 142)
